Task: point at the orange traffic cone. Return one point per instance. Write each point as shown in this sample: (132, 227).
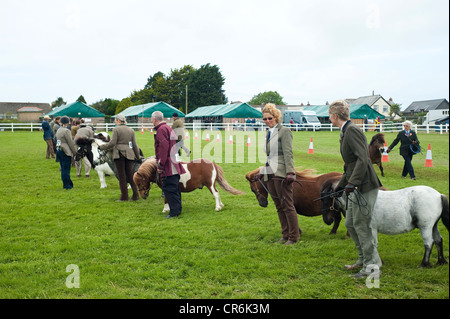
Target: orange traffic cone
(187, 135)
(218, 137)
(207, 136)
(142, 130)
(151, 131)
(385, 157)
(196, 136)
(429, 159)
(230, 140)
(311, 147)
(248, 141)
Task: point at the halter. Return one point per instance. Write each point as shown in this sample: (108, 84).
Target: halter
(143, 188)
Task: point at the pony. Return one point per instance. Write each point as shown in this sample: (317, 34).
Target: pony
(306, 188)
(199, 173)
(376, 147)
(103, 160)
(401, 211)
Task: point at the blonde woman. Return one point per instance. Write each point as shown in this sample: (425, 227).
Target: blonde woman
(279, 173)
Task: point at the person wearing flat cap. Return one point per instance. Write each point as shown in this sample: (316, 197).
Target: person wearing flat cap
(65, 150)
(125, 152)
(48, 136)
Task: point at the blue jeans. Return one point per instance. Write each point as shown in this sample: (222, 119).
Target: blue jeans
(408, 168)
(66, 163)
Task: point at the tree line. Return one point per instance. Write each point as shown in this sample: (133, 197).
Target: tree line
(204, 87)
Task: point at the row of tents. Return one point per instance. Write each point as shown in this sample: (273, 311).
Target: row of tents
(213, 113)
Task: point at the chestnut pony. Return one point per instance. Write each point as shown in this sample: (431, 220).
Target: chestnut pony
(375, 150)
(307, 188)
(199, 173)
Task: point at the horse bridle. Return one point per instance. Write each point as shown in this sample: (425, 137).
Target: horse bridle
(143, 188)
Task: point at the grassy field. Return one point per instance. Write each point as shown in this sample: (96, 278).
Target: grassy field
(129, 249)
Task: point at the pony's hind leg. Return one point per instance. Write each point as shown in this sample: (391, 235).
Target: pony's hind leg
(428, 244)
(215, 193)
(439, 242)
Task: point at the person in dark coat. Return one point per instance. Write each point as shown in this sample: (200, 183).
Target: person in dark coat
(361, 186)
(48, 137)
(407, 138)
(169, 165)
(65, 150)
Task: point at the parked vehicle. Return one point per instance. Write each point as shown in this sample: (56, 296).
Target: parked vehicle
(302, 120)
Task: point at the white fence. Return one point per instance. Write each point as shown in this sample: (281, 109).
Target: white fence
(441, 129)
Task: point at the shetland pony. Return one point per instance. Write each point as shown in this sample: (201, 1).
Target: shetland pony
(199, 173)
(306, 189)
(401, 211)
(375, 150)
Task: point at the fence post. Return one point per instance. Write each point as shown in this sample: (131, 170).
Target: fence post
(12, 127)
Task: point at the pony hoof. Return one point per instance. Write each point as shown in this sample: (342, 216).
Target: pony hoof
(441, 262)
(425, 265)
(218, 209)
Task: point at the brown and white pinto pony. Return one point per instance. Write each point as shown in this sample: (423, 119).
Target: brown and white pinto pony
(376, 146)
(307, 188)
(199, 173)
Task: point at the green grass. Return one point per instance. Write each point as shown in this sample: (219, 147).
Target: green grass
(129, 249)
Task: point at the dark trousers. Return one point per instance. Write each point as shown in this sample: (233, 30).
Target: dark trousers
(283, 198)
(66, 163)
(408, 168)
(172, 193)
(125, 173)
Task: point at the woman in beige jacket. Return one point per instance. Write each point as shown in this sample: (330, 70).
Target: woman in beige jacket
(125, 152)
(279, 173)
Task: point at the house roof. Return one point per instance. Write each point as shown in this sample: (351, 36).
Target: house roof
(77, 109)
(13, 107)
(32, 109)
(146, 110)
(369, 100)
(234, 110)
(425, 106)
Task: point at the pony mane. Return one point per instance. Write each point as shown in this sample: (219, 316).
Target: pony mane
(148, 167)
(306, 173)
(379, 139)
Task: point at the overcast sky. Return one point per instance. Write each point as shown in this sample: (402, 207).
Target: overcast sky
(307, 51)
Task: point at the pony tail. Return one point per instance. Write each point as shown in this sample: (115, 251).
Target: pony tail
(445, 213)
(223, 183)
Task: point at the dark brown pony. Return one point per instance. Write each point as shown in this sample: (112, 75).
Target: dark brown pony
(307, 188)
(376, 146)
(199, 173)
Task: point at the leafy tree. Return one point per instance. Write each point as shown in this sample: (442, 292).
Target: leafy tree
(205, 87)
(58, 102)
(107, 106)
(267, 97)
(151, 79)
(81, 99)
(394, 109)
(177, 81)
(124, 104)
